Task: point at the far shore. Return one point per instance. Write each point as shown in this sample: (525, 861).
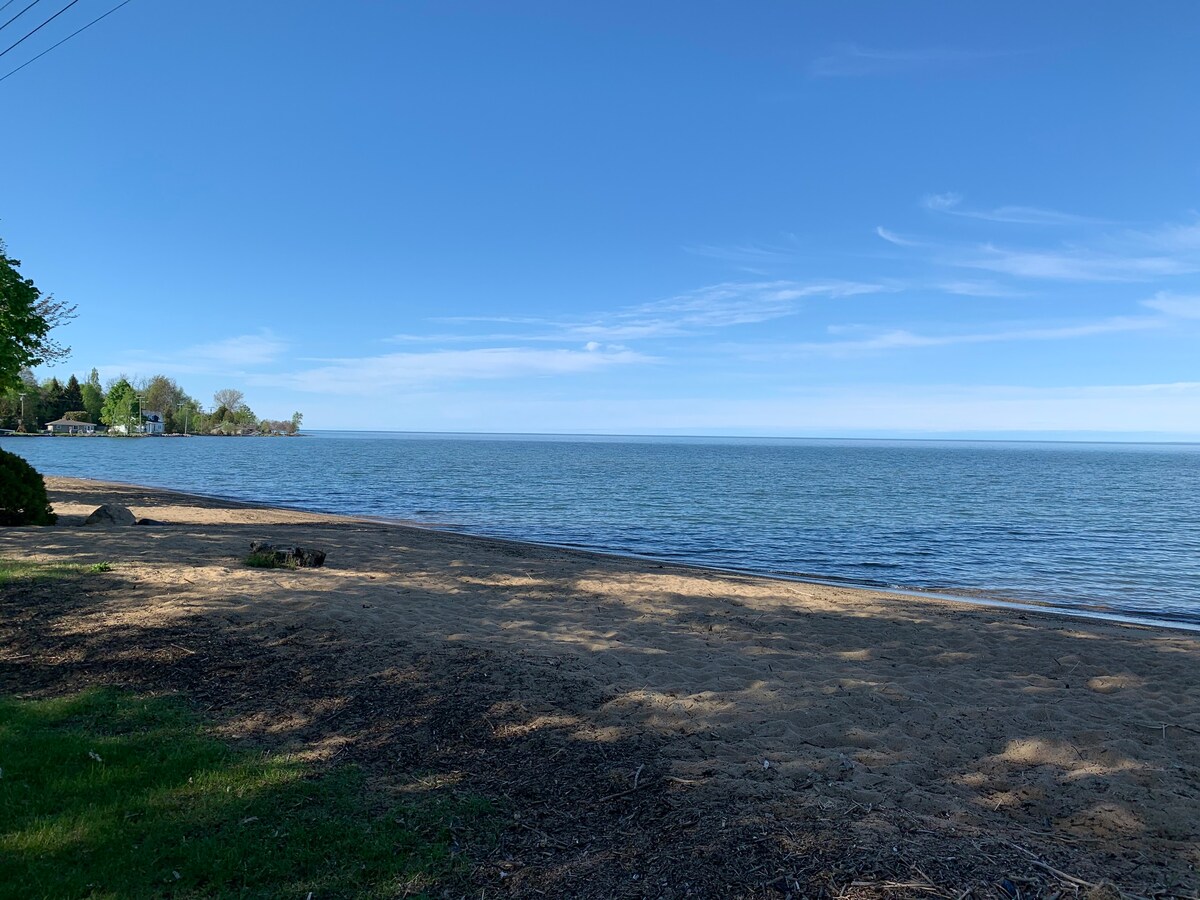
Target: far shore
(105, 434)
(642, 717)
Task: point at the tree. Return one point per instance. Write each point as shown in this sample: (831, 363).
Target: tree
(230, 398)
(54, 401)
(93, 396)
(10, 409)
(297, 418)
(162, 395)
(245, 417)
(72, 394)
(29, 401)
(120, 407)
(188, 417)
(26, 319)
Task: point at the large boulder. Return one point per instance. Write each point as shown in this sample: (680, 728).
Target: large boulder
(111, 514)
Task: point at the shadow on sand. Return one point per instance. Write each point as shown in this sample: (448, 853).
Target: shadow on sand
(657, 732)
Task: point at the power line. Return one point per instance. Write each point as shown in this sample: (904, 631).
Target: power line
(18, 15)
(40, 27)
(7, 5)
(64, 40)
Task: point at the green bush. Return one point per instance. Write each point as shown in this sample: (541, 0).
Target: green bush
(269, 560)
(23, 498)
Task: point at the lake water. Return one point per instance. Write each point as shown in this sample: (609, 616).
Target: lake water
(1111, 527)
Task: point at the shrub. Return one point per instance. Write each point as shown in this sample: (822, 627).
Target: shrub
(23, 498)
(269, 560)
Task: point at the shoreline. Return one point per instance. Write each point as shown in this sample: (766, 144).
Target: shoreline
(735, 716)
(975, 599)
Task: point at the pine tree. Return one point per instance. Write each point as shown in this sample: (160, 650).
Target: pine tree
(72, 395)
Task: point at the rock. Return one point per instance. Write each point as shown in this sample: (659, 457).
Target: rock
(148, 522)
(289, 556)
(111, 514)
(308, 557)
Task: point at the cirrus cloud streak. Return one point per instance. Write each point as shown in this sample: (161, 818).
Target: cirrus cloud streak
(368, 375)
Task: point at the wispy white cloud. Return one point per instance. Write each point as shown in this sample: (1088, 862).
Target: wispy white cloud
(892, 238)
(855, 60)
(1170, 308)
(1172, 238)
(1074, 263)
(721, 306)
(942, 202)
(1181, 306)
(473, 337)
(241, 350)
(1126, 255)
(230, 355)
(951, 204)
(975, 289)
(718, 306)
(750, 253)
(898, 339)
(368, 375)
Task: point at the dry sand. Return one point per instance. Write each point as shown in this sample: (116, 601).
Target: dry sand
(940, 731)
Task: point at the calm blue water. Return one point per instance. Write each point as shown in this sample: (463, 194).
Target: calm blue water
(1104, 526)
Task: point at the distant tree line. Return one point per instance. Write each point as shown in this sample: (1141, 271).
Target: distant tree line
(27, 316)
(122, 403)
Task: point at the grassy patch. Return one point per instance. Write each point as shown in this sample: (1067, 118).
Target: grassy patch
(269, 561)
(17, 571)
(106, 794)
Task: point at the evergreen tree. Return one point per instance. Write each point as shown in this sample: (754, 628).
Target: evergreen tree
(54, 402)
(72, 395)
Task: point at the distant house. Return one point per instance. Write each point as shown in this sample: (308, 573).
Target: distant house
(69, 426)
(152, 423)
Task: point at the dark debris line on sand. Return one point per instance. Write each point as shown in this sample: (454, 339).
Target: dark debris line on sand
(585, 819)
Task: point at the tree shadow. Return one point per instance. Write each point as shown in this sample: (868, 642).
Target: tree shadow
(116, 794)
(776, 737)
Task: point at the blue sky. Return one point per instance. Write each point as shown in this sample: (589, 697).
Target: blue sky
(773, 218)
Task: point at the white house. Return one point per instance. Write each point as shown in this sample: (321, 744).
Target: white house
(152, 423)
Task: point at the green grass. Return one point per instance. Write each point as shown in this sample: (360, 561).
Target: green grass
(111, 795)
(15, 571)
(269, 561)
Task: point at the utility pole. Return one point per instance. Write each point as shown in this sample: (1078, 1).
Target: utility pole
(22, 428)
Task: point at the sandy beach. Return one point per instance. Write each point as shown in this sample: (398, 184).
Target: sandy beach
(654, 730)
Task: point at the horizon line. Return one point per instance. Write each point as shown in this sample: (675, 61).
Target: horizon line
(930, 436)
